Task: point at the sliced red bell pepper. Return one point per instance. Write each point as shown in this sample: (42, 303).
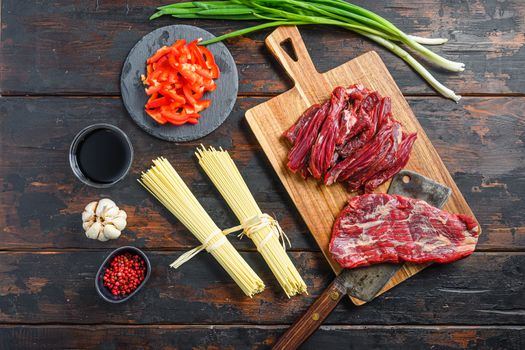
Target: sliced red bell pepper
(160, 53)
(200, 105)
(210, 62)
(177, 77)
(159, 102)
(157, 116)
(178, 99)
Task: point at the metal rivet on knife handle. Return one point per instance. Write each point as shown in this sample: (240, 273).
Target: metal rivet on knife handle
(334, 295)
(315, 316)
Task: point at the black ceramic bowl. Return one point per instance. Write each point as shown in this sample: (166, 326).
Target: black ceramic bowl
(103, 291)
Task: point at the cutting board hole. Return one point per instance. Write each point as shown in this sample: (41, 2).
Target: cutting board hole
(406, 179)
(288, 47)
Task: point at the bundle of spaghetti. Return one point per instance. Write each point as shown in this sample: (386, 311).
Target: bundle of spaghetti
(165, 184)
(261, 228)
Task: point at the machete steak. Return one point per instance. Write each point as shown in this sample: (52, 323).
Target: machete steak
(377, 228)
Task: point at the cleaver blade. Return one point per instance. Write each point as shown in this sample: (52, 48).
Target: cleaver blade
(364, 283)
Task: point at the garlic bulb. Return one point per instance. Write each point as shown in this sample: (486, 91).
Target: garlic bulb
(103, 220)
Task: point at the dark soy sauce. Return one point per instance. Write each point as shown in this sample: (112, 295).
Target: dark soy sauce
(103, 155)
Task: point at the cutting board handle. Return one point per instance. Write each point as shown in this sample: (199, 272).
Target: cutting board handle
(300, 68)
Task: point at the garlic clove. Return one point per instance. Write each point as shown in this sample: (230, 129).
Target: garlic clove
(91, 207)
(102, 238)
(94, 230)
(122, 214)
(86, 225)
(103, 205)
(111, 232)
(87, 216)
(119, 223)
(111, 212)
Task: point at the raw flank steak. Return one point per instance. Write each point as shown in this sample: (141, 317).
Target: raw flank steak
(378, 228)
(352, 138)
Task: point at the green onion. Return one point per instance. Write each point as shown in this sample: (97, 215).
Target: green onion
(326, 12)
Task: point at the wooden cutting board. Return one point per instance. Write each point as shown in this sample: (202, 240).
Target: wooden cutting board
(319, 204)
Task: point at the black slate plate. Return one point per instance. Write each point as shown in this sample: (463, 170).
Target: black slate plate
(134, 97)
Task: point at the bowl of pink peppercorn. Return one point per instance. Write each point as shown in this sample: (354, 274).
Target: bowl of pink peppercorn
(122, 274)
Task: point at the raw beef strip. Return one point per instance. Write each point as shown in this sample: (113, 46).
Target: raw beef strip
(361, 158)
(349, 125)
(381, 162)
(348, 121)
(293, 131)
(322, 155)
(400, 160)
(300, 153)
(377, 228)
(380, 114)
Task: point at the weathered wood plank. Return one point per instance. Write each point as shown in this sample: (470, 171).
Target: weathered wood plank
(58, 287)
(76, 47)
(260, 337)
(481, 141)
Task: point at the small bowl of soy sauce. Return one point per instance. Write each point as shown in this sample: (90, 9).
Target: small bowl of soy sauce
(101, 155)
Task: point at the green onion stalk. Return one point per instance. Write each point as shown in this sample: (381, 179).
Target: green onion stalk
(325, 12)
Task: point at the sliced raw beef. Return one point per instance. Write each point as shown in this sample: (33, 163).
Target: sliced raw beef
(322, 155)
(293, 131)
(350, 123)
(400, 160)
(377, 228)
(300, 153)
(382, 160)
(362, 158)
(372, 122)
(352, 138)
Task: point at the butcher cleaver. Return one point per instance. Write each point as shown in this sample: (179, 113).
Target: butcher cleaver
(362, 283)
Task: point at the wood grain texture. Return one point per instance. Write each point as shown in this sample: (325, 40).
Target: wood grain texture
(481, 141)
(260, 337)
(58, 287)
(318, 204)
(78, 47)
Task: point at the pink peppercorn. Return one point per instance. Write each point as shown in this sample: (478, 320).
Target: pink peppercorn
(124, 274)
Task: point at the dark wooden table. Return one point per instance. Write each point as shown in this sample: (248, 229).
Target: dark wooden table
(60, 67)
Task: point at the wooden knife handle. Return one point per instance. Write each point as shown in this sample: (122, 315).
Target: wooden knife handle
(312, 318)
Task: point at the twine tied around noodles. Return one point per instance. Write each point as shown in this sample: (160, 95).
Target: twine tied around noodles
(256, 223)
(205, 245)
(248, 228)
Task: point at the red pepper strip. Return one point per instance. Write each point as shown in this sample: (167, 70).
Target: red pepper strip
(192, 121)
(157, 116)
(200, 105)
(209, 85)
(153, 89)
(173, 61)
(204, 73)
(160, 53)
(189, 109)
(159, 102)
(189, 95)
(153, 96)
(173, 95)
(192, 77)
(178, 44)
(197, 54)
(184, 55)
(177, 118)
(210, 62)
